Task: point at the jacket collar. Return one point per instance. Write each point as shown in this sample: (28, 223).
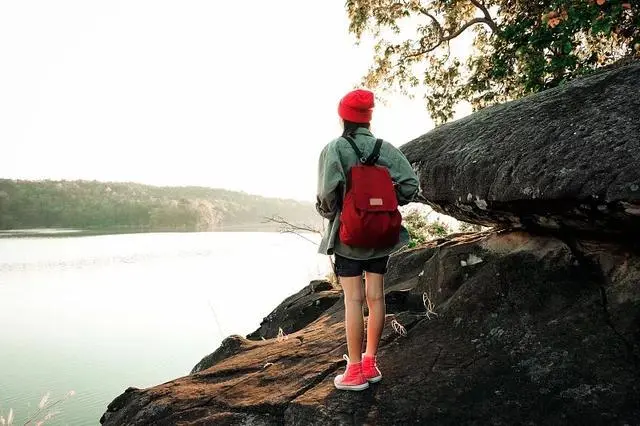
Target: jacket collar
(363, 131)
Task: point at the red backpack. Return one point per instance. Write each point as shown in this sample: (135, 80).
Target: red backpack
(370, 216)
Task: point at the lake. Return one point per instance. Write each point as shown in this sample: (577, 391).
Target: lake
(95, 315)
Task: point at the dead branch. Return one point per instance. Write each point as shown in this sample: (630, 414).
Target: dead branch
(287, 227)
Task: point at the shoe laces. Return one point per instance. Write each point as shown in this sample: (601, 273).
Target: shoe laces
(352, 370)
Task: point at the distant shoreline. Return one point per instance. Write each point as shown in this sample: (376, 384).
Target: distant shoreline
(26, 207)
(66, 233)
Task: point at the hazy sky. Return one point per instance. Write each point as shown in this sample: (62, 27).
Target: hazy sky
(233, 94)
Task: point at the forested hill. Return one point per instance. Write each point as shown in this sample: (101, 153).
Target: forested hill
(124, 206)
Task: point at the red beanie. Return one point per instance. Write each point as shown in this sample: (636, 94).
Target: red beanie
(357, 106)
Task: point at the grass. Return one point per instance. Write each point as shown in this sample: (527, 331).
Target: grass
(44, 413)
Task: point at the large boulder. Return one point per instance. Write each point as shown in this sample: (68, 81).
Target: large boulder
(521, 329)
(566, 159)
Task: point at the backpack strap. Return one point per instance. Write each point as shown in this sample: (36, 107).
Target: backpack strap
(359, 153)
(371, 159)
(375, 154)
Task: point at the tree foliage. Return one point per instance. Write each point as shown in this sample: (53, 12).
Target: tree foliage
(516, 47)
(421, 229)
(97, 205)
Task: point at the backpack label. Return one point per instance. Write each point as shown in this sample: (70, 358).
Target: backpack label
(375, 201)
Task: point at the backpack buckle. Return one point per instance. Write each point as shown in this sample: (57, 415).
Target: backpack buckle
(370, 161)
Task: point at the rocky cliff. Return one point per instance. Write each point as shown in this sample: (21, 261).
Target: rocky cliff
(567, 159)
(535, 323)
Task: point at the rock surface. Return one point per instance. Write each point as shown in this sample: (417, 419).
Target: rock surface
(523, 329)
(298, 310)
(566, 159)
(293, 314)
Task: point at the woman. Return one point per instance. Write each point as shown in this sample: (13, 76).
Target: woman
(336, 160)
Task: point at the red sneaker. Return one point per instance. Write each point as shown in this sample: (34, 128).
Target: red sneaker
(370, 369)
(352, 379)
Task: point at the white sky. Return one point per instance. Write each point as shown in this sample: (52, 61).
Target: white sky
(236, 95)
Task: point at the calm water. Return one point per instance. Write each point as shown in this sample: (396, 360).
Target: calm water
(98, 314)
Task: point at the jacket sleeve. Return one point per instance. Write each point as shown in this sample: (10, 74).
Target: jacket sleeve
(331, 178)
(404, 178)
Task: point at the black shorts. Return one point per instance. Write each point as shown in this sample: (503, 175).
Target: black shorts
(354, 268)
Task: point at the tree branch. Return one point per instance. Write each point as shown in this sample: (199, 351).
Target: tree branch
(428, 14)
(442, 38)
(472, 22)
(423, 51)
(290, 228)
(487, 16)
(447, 38)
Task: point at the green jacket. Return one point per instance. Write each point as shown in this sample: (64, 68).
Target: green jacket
(335, 161)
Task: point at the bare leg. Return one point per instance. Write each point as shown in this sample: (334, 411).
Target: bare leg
(377, 311)
(354, 321)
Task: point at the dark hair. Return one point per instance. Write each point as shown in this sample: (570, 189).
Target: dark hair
(350, 127)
